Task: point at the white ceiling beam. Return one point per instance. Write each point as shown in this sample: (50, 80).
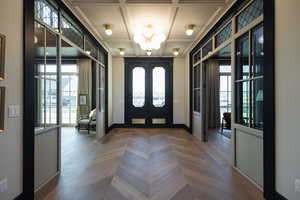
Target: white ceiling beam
(170, 28)
(126, 21)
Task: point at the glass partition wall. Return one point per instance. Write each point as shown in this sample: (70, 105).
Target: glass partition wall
(241, 30)
(63, 48)
(51, 26)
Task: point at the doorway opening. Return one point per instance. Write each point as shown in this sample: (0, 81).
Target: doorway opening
(69, 94)
(217, 94)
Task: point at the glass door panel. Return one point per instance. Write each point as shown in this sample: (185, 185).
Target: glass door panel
(138, 86)
(158, 87)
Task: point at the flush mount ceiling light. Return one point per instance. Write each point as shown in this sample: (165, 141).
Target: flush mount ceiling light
(149, 38)
(149, 52)
(108, 29)
(189, 29)
(122, 51)
(176, 51)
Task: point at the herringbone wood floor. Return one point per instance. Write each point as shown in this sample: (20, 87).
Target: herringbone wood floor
(147, 164)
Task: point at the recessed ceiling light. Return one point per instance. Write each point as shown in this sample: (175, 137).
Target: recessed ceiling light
(108, 29)
(122, 51)
(176, 51)
(189, 29)
(149, 52)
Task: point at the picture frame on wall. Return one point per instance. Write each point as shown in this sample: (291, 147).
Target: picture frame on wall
(2, 55)
(82, 100)
(2, 108)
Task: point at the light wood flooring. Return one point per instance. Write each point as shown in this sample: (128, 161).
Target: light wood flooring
(148, 164)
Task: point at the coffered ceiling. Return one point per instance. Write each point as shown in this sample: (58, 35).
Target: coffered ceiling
(126, 15)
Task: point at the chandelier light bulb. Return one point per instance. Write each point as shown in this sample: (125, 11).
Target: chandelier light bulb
(149, 38)
(189, 30)
(108, 29)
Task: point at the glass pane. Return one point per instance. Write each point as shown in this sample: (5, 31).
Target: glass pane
(51, 79)
(159, 88)
(258, 100)
(71, 32)
(249, 14)
(69, 99)
(138, 86)
(258, 51)
(69, 68)
(207, 48)
(224, 35)
(243, 103)
(197, 100)
(91, 49)
(242, 58)
(39, 44)
(225, 69)
(197, 57)
(102, 89)
(101, 57)
(47, 12)
(224, 83)
(197, 76)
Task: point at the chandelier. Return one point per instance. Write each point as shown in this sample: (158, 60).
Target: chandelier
(149, 38)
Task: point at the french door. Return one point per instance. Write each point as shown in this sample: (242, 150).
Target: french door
(149, 92)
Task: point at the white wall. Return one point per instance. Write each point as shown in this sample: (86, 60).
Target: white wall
(11, 22)
(179, 90)
(118, 75)
(287, 70)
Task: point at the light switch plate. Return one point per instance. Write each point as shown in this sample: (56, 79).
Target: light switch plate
(3, 185)
(13, 111)
(297, 185)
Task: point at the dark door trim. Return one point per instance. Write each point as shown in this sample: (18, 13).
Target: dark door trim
(169, 89)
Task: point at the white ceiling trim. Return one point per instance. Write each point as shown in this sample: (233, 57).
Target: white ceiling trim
(217, 16)
(86, 22)
(170, 28)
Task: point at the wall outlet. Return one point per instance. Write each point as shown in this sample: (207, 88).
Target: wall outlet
(3, 185)
(297, 185)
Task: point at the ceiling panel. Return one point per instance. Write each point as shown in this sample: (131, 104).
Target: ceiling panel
(197, 15)
(100, 15)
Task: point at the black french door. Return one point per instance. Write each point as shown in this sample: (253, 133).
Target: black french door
(149, 92)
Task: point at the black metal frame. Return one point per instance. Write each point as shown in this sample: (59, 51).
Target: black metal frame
(28, 84)
(169, 91)
(270, 192)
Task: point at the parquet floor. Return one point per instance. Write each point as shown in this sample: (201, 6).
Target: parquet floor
(147, 164)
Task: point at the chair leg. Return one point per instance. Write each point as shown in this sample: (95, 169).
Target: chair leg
(222, 125)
